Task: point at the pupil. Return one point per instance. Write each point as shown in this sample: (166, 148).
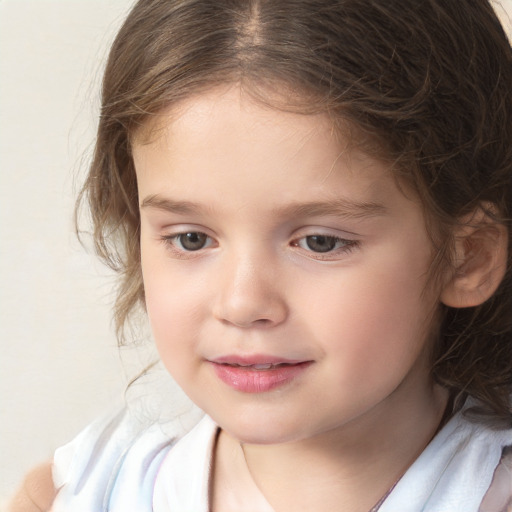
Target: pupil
(321, 243)
(193, 241)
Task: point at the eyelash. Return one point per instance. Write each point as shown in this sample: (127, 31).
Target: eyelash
(344, 245)
(171, 242)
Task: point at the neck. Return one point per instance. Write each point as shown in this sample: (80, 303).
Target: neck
(350, 467)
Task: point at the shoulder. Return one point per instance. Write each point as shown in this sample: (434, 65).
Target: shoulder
(86, 470)
(455, 471)
(499, 496)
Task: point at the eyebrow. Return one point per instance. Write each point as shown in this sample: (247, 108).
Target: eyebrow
(334, 208)
(169, 205)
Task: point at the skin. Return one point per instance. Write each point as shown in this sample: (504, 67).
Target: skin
(243, 178)
(37, 491)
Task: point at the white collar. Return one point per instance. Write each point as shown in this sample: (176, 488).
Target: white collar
(182, 483)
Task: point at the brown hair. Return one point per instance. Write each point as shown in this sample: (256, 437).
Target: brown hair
(426, 83)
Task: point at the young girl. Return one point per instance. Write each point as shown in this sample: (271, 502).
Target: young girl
(312, 201)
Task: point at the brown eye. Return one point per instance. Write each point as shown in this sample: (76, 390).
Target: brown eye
(321, 243)
(193, 241)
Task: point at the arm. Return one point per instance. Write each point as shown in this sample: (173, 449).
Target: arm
(37, 491)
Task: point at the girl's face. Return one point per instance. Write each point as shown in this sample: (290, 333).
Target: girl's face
(285, 276)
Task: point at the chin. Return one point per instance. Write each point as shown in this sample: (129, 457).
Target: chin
(261, 429)
(259, 437)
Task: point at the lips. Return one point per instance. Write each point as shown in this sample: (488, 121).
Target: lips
(263, 366)
(255, 360)
(259, 373)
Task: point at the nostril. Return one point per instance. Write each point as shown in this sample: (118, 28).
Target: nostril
(263, 321)
(259, 322)
(246, 301)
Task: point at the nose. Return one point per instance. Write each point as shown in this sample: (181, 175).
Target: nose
(250, 294)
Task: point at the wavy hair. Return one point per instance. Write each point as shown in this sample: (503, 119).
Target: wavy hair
(425, 84)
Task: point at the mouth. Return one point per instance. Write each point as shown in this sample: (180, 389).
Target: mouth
(259, 367)
(256, 361)
(258, 374)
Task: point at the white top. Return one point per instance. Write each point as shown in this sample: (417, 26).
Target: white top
(117, 465)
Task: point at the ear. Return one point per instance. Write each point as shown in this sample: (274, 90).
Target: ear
(479, 261)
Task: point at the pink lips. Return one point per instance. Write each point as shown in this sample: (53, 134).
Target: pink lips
(258, 373)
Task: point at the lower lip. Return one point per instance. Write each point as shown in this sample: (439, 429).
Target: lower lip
(247, 380)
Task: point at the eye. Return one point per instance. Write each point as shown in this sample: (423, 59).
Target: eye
(189, 242)
(327, 245)
(322, 243)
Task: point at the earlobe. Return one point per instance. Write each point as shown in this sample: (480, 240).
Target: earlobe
(479, 261)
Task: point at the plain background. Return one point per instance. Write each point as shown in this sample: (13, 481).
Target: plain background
(59, 362)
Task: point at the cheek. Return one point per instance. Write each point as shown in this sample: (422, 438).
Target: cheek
(172, 304)
(376, 319)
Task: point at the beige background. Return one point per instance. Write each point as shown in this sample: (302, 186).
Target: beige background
(59, 365)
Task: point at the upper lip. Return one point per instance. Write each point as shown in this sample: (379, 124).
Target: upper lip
(249, 360)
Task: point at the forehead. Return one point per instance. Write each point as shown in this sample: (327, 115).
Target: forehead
(223, 135)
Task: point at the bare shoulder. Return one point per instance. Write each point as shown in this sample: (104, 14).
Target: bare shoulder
(499, 495)
(37, 491)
